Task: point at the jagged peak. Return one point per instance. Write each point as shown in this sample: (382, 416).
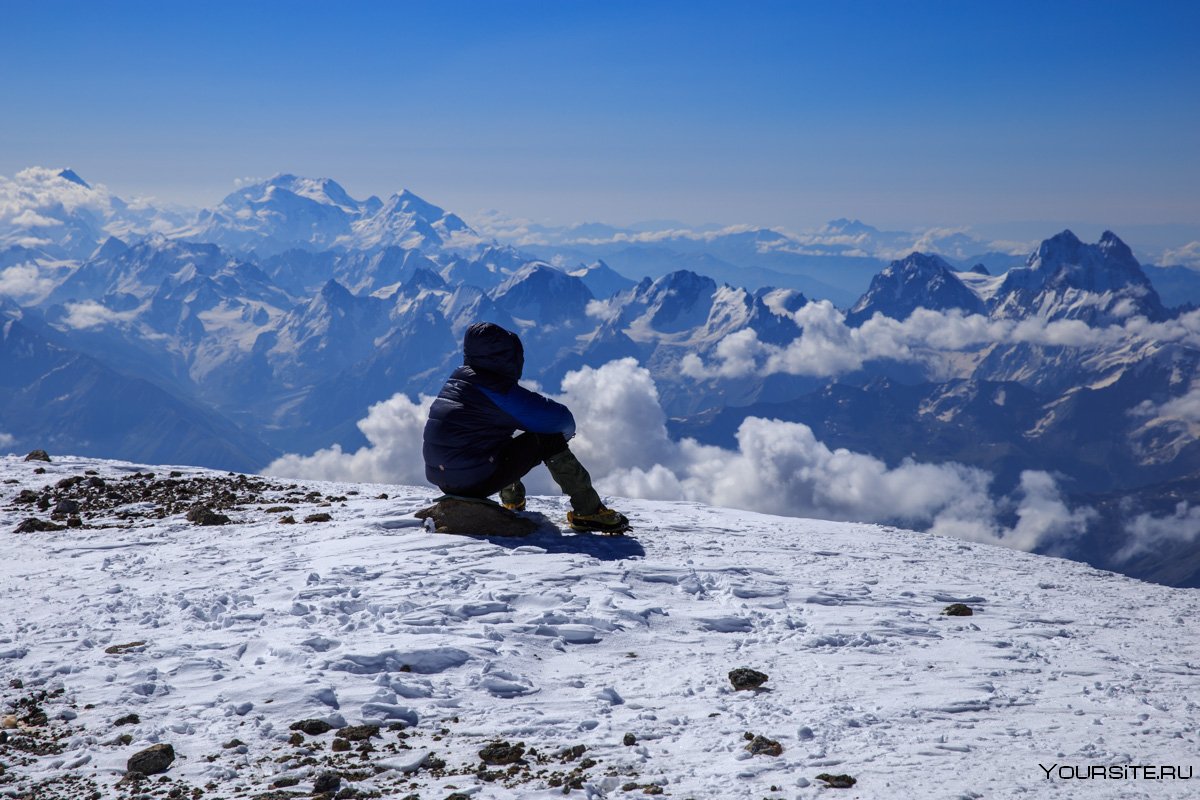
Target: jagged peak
(71, 175)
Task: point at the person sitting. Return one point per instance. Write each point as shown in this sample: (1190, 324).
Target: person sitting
(469, 446)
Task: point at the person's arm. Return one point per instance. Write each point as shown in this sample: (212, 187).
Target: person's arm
(533, 412)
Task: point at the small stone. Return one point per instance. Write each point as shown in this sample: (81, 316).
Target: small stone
(8, 721)
(313, 727)
(322, 517)
(232, 743)
(38, 455)
(66, 507)
(40, 471)
(630, 740)
(152, 760)
(957, 610)
(203, 515)
(653, 788)
(128, 719)
(746, 678)
(74, 522)
(296, 739)
(339, 746)
(327, 782)
(278, 509)
(35, 525)
(837, 781)
(358, 733)
(285, 781)
(761, 745)
(118, 649)
(501, 752)
(288, 520)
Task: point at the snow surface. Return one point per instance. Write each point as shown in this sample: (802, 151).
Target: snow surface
(559, 640)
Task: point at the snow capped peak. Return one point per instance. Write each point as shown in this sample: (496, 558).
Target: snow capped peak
(848, 226)
(70, 175)
(919, 280)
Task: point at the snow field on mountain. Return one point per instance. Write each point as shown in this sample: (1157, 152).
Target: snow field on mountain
(558, 640)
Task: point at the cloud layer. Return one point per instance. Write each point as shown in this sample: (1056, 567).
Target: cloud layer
(778, 467)
(828, 347)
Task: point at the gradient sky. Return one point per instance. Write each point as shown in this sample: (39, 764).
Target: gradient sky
(902, 113)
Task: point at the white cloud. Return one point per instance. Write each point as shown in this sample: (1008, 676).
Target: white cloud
(393, 429)
(7, 439)
(1187, 255)
(778, 467)
(90, 314)
(24, 283)
(828, 347)
(1147, 533)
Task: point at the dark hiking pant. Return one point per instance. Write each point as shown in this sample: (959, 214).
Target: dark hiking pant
(522, 454)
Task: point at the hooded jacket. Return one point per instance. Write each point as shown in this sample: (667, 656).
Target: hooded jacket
(481, 406)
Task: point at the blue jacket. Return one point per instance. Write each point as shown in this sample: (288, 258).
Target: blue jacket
(480, 408)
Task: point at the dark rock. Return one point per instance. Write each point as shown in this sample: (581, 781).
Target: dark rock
(96, 483)
(296, 739)
(476, 519)
(630, 740)
(74, 522)
(40, 471)
(118, 649)
(128, 719)
(232, 743)
(653, 788)
(67, 483)
(502, 753)
(358, 733)
(203, 515)
(175, 474)
(152, 760)
(313, 727)
(746, 678)
(837, 781)
(761, 745)
(322, 517)
(38, 455)
(285, 781)
(339, 746)
(278, 509)
(288, 520)
(67, 507)
(26, 497)
(35, 525)
(383, 496)
(327, 782)
(957, 610)
(572, 753)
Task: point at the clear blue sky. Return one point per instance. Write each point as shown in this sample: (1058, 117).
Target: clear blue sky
(901, 113)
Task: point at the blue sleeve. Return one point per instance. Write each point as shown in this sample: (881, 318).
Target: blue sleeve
(533, 412)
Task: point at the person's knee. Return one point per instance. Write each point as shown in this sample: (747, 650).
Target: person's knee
(551, 444)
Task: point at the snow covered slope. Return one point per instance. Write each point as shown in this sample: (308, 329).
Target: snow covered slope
(219, 639)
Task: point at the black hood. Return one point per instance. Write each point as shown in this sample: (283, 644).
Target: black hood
(489, 348)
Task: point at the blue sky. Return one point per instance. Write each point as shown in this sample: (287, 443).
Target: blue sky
(904, 114)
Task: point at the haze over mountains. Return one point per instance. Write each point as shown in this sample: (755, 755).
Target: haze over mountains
(1047, 400)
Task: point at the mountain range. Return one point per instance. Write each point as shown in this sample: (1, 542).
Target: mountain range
(273, 322)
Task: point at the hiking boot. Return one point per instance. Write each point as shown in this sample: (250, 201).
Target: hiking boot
(512, 496)
(604, 520)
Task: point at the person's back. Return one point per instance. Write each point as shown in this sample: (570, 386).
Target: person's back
(469, 447)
